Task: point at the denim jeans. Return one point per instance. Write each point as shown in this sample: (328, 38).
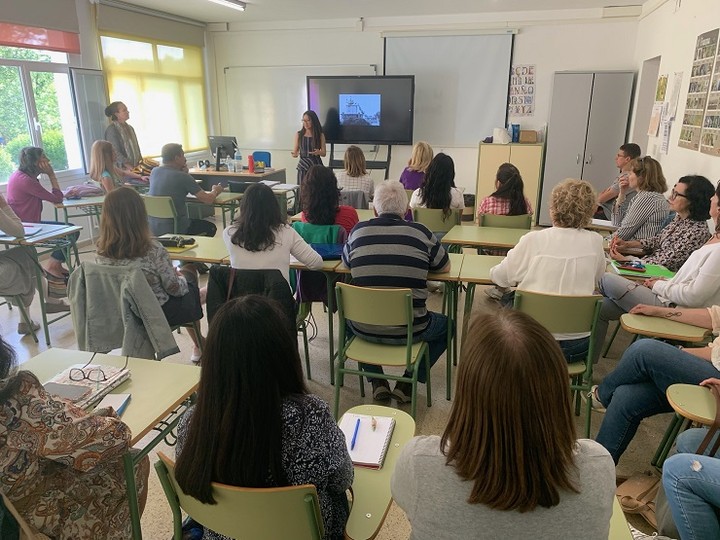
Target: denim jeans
(636, 388)
(59, 254)
(574, 350)
(621, 295)
(435, 335)
(692, 487)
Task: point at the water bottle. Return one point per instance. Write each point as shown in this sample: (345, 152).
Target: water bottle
(238, 159)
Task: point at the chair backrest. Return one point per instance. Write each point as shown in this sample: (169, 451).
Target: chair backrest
(382, 307)
(161, 207)
(434, 219)
(523, 221)
(247, 513)
(409, 193)
(262, 155)
(560, 314)
(355, 198)
(238, 186)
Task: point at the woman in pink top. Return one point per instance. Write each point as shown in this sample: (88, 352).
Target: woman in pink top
(320, 200)
(25, 195)
(508, 198)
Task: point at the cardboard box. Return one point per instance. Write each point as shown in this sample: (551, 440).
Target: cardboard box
(528, 136)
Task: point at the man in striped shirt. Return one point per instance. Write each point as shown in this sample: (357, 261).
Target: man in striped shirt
(389, 252)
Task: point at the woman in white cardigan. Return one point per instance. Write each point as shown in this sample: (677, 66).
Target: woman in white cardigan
(260, 239)
(564, 259)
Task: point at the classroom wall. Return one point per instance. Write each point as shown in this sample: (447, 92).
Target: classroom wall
(551, 46)
(671, 33)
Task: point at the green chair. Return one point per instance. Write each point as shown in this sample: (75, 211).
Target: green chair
(523, 221)
(692, 403)
(24, 314)
(567, 315)
(434, 219)
(382, 307)
(162, 208)
(246, 513)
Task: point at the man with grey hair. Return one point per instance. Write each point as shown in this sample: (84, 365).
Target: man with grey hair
(172, 180)
(388, 251)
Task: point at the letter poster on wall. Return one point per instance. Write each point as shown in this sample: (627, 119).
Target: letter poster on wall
(521, 96)
(695, 119)
(710, 133)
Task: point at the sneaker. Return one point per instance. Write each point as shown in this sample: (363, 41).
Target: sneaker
(595, 403)
(496, 293)
(56, 307)
(195, 358)
(381, 389)
(402, 392)
(434, 286)
(25, 329)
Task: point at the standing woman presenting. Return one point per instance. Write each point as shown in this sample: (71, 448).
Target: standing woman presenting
(309, 144)
(122, 136)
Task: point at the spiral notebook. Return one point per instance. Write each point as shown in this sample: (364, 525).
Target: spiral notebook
(371, 445)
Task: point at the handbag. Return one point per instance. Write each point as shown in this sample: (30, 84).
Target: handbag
(175, 241)
(637, 496)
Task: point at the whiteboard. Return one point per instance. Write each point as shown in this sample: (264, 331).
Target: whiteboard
(265, 103)
(461, 84)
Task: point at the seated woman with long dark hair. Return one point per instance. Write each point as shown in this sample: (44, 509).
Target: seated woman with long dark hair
(508, 461)
(438, 188)
(508, 199)
(260, 239)
(254, 423)
(320, 200)
(125, 240)
(61, 467)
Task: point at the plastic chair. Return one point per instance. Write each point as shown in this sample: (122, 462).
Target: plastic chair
(381, 307)
(355, 198)
(161, 207)
(282, 512)
(523, 221)
(435, 220)
(262, 155)
(566, 315)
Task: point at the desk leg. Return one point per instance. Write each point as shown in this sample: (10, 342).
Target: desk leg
(451, 290)
(131, 488)
(330, 278)
(469, 297)
(41, 295)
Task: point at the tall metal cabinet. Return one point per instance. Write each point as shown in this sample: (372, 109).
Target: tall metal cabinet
(526, 157)
(588, 122)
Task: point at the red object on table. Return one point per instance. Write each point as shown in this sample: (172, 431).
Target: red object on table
(251, 164)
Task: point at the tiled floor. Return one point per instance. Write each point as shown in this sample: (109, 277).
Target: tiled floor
(156, 520)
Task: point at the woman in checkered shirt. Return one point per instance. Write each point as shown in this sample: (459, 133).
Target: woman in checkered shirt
(509, 198)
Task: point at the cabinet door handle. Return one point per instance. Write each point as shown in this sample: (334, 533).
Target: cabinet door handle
(577, 159)
(589, 159)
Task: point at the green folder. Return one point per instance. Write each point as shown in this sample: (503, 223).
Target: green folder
(651, 271)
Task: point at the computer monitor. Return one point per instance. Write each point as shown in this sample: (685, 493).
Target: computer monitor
(222, 147)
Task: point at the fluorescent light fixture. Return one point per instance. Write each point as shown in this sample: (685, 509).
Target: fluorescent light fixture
(234, 4)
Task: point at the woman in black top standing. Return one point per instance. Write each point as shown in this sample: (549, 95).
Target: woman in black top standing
(309, 144)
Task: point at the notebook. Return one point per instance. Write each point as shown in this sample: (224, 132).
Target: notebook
(95, 390)
(651, 271)
(371, 446)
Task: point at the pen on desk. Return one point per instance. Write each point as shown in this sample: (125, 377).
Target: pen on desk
(373, 423)
(354, 438)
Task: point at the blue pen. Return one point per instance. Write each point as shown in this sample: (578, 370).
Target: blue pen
(357, 426)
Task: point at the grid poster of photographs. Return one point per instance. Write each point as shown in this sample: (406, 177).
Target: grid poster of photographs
(710, 134)
(697, 97)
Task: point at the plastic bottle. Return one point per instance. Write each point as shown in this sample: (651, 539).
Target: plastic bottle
(238, 158)
(251, 164)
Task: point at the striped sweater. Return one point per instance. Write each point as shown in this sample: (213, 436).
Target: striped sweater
(389, 252)
(643, 218)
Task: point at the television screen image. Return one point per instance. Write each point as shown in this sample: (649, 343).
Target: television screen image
(364, 109)
(359, 109)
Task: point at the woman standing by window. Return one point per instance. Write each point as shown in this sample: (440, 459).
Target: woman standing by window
(122, 136)
(309, 144)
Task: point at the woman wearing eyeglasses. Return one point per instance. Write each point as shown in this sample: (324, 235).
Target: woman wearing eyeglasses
(696, 284)
(61, 467)
(688, 231)
(648, 210)
(255, 424)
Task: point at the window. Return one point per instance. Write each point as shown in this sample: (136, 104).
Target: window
(36, 109)
(162, 86)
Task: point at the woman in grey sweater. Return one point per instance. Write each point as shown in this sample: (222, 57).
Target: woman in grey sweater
(508, 464)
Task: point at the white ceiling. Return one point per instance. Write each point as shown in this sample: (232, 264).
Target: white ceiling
(289, 10)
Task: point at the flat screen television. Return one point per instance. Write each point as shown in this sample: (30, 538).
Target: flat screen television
(364, 109)
(226, 145)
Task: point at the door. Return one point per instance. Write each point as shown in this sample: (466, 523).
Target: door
(567, 129)
(607, 128)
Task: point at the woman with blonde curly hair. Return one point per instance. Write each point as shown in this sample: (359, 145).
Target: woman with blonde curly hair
(413, 175)
(564, 259)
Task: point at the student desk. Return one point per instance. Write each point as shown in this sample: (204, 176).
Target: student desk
(225, 201)
(160, 391)
(205, 250)
(46, 234)
(211, 176)
(475, 271)
(87, 206)
(371, 487)
(490, 237)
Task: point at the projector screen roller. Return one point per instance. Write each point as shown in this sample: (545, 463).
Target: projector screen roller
(364, 110)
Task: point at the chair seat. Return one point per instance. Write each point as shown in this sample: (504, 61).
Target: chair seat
(576, 368)
(380, 353)
(693, 402)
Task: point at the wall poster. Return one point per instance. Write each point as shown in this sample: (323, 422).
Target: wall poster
(521, 95)
(697, 97)
(710, 134)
